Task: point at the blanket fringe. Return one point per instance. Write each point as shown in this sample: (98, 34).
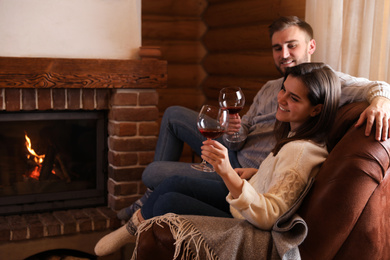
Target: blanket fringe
(185, 235)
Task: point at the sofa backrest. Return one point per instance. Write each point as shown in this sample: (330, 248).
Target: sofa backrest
(348, 207)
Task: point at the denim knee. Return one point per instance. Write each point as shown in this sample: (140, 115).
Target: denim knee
(166, 203)
(149, 176)
(173, 112)
(157, 172)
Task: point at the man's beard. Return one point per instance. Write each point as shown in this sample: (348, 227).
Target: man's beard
(297, 62)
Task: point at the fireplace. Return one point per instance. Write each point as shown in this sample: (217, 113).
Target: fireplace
(52, 160)
(52, 95)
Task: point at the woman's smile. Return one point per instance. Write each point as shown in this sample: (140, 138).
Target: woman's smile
(283, 109)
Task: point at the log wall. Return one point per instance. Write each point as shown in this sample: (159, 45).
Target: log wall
(210, 44)
(238, 44)
(177, 27)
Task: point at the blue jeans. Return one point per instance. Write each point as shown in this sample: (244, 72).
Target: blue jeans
(178, 126)
(188, 196)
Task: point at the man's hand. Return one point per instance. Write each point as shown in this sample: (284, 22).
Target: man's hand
(378, 111)
(234, 124)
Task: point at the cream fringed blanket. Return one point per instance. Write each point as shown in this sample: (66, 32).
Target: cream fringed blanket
(201, 237)
(212, 238)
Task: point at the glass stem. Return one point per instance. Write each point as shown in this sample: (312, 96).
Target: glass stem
(203, 160)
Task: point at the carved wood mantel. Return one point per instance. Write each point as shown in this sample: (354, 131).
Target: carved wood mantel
(82, 73)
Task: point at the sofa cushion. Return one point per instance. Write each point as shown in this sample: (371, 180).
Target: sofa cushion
(346, 117)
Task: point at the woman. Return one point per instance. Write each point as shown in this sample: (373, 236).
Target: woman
(307, 105)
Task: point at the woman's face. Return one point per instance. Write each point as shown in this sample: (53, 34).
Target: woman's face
(293, 103)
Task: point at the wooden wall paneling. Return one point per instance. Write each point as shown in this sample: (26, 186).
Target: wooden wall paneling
(238, 12)
(187, 75)
(213, 43)
(249, 64)
(182, 87)
(177, 27)
(230, 13)
(238, 44)
(174, 7)
(296, 7)
(250, 85)
(247, 37)
(176, 51)
(168, 28)
(186, 96)
(219, 1)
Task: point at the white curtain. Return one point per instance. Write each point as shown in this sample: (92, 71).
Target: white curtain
(353, 36)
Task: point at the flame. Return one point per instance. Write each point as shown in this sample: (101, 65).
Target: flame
(36, 172)
(37, 158)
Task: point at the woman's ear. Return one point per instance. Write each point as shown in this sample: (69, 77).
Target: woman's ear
(316, 110)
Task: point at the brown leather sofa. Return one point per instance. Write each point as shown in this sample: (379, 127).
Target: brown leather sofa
(347, 209)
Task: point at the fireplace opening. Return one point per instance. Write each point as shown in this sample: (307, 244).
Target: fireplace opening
(62, 254)
(52, 160)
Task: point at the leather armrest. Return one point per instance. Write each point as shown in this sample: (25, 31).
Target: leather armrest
(156, 243)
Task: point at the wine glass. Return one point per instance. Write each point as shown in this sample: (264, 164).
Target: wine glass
(212, 123)
(233, 99)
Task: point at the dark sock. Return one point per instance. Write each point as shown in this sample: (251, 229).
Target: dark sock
(127, 213)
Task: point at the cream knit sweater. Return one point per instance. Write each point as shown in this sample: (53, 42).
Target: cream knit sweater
(278, 183)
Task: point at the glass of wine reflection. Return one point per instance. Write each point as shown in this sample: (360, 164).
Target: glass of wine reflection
(212, 123)
(233, 99)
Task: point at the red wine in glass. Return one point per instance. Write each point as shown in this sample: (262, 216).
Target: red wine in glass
(234, 110)
(233, 99)
(211, 133)
(212, 123)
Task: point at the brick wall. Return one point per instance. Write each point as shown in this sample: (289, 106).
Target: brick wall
(133, 131)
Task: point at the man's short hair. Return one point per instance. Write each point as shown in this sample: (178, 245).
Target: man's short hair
(285, 22)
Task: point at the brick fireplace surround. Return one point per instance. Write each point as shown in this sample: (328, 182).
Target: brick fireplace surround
(127, 89)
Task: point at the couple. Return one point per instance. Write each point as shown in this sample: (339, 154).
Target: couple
(307, 104)
(292, 44)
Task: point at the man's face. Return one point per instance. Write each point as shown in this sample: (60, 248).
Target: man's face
(291, 47)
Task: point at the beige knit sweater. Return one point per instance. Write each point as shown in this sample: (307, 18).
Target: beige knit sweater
(278, 183)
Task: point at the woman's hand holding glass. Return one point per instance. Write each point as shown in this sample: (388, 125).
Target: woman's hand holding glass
(212, 123)
(216, 154)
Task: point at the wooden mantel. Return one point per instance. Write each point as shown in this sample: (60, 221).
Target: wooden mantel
(82, 73)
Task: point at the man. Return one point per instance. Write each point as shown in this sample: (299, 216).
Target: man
(292, 44)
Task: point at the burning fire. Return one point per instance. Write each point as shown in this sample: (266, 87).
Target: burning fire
(38, 159)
